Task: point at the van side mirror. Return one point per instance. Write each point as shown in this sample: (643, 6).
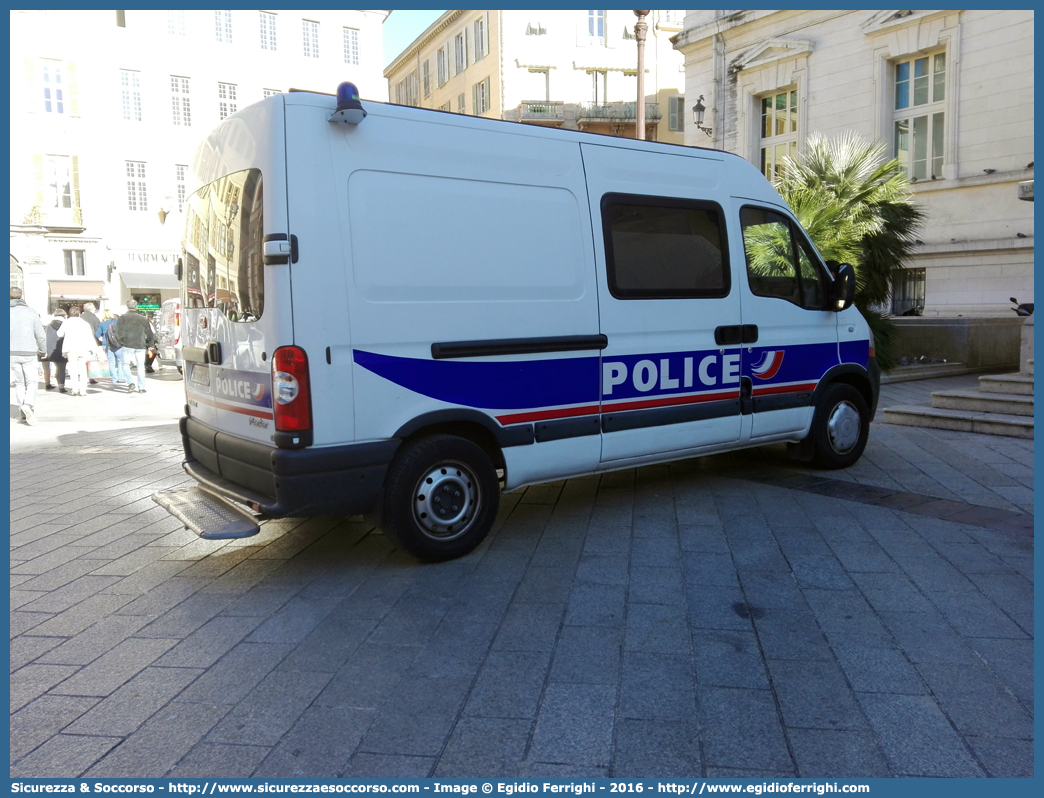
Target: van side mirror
(844, 285)
(177, 269)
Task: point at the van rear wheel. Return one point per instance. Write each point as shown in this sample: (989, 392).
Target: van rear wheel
(840, 427)
(441, 497)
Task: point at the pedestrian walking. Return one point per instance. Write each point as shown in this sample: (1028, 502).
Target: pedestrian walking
(135, 336)
(79, 345)
(28, 345)
(111, 347)
(54, 352)
(88, 315)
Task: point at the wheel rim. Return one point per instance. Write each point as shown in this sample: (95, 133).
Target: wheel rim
(843, 427)
(446, 501)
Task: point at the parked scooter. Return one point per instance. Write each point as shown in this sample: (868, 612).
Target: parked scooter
(1024, 309)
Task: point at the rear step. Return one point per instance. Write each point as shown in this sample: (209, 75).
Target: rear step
(208, 515)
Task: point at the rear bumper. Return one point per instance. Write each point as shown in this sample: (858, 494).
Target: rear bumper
(335, 480)
(168, 352)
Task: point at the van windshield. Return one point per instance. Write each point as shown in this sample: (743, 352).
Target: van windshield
(222, 247)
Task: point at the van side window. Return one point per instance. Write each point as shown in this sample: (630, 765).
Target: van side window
(660, 248)
(780, 262)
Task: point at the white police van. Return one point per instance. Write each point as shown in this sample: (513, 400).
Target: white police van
(404, 310)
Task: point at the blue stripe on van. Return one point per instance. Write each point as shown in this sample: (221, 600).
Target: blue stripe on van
(857, 352)
(500, 385)
(548, 383)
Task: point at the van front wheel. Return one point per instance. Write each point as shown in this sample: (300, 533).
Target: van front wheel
(441, 497)
(840, 427)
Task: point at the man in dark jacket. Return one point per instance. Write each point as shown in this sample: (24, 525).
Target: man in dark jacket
(135, 336)
(28, 345)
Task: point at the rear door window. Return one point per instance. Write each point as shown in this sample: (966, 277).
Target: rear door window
(223, 253)
(660, 248)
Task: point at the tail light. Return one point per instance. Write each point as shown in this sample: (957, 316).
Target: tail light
(291, 391)
(177, 325)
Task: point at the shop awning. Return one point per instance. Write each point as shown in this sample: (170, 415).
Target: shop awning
(72, 289)
(146, 281)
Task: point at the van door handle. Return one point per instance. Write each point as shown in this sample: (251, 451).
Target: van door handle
(727, 334)
(736, 334)
(214, 353)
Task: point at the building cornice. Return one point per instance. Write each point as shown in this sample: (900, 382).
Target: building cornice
(692, 36)
(768, 51)
(991, 178)
(888, 20)
(432, 31)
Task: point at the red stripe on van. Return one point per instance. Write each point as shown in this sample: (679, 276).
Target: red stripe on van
(668, 401)
(246, 411)
(798, 388)
(544, 415)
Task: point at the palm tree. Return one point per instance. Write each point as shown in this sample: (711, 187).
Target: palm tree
(856, 207)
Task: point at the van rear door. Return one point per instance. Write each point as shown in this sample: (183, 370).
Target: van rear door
(671, 370)
(235, 312)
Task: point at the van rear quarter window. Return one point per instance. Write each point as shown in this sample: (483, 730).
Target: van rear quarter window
(659, 248)
(222, 247)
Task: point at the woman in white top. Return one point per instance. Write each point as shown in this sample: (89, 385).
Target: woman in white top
(79, 347)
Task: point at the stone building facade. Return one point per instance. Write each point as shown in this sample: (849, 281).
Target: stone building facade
(949, 92)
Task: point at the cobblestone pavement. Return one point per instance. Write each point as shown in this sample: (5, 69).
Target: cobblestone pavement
(727, 616)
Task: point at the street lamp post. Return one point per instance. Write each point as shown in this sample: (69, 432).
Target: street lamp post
(640, 29)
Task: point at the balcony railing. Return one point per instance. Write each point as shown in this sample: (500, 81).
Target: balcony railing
(552, 111)
(616, 112)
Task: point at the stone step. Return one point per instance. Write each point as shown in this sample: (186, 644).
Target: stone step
(981, 402)
(1021, 384)
(959, 420)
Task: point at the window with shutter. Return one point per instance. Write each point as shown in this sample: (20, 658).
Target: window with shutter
(136, 195)
(460, 52)
(59, 176)
(179, 90)
(268, 31)
(53, 89)
(351, 46)
(76, 182)
(226, 99)
(131, 95)
(223, 26)
(676, 121)
(310, 31)
(441, 66)
(480, 43)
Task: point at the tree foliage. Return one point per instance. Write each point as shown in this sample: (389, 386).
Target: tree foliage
(857, 208)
